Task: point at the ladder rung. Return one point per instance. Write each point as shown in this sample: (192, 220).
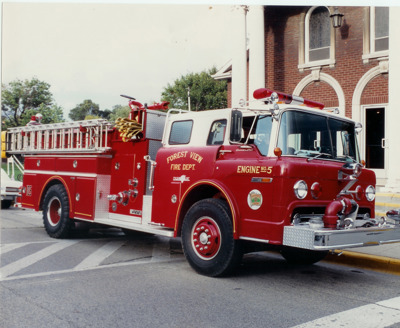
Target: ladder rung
(59, 137)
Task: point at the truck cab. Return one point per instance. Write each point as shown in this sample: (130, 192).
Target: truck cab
(288, 175)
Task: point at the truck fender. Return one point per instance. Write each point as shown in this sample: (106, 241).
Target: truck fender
(188, 200)
(51, 181)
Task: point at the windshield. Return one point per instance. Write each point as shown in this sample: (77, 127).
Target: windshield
(309, 135)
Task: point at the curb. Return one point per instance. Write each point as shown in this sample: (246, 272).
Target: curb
(365, 261)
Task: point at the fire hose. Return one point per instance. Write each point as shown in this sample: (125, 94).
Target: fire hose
(128, 128)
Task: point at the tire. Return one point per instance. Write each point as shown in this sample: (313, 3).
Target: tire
(5, 204)
(302, 256)
(56, 212)
(207, 239)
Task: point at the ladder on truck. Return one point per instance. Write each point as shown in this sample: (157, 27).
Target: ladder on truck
(90, 136)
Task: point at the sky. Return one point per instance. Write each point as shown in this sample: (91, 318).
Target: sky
(100, 49)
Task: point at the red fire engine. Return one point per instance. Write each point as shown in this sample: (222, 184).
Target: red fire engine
(283, 174)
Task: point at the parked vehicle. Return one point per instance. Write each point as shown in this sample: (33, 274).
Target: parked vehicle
(10, 190)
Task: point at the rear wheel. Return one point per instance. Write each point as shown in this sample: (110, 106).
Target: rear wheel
(302, 256)
(207, 238)
(56, 212)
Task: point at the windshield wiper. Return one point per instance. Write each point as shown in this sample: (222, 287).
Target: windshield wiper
(319, 155)
(347, 157)
(311, 154)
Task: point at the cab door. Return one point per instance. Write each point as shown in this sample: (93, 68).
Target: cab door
(247, 169)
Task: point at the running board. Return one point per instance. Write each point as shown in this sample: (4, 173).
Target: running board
(116, 220)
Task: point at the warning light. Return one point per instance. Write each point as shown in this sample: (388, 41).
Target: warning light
(284, 98)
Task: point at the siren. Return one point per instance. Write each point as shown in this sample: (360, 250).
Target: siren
(284, 98)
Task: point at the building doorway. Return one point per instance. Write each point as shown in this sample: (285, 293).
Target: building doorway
(374, 142)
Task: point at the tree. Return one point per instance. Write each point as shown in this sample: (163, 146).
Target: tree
(21, 99)
(119, 111)
(88, 110)
(84, 109)
(105, 113)
(52, 114)
(204, 91)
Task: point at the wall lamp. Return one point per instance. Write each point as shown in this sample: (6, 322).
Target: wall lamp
(336, 18)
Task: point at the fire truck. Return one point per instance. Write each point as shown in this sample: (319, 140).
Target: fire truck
(282, 173)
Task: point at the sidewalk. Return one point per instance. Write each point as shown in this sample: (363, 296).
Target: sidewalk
(383, 258)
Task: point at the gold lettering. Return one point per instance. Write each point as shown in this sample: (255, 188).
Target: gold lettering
(196, 157)
(189, 167)
(250, 169)
(175, 167)
(180, 154)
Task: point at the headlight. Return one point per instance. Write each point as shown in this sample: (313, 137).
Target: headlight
(300, 189)
(370, 193)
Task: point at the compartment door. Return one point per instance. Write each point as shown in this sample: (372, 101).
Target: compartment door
(85, 198)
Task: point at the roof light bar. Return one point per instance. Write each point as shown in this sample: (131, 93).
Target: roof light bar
(268, 95)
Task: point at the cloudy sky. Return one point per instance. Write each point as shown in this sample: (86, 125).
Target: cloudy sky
(99, 50)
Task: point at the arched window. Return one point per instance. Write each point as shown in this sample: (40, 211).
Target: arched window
(317, 39)
(319, 34)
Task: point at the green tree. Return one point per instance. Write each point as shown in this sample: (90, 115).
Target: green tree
(84, 109)
(119, 111)
(204, 91)
(105, 113)
(88, 110)
(51, 114)
(21, 99)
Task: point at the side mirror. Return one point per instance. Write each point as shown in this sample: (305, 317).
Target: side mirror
(236, 125)
(358, 127)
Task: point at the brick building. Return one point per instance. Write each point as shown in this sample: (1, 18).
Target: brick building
(297, 50)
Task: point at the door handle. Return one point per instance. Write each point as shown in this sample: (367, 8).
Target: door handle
(383, 143)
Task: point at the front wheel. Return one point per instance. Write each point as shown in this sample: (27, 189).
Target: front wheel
(207, 238)
(56, 212)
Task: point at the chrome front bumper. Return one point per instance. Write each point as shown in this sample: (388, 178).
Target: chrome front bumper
(327, 239)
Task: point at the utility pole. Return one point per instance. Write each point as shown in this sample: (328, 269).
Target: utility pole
(189, 99)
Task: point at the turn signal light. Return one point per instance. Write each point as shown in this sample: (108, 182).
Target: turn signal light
(278, 152)
(316, 190)
(359, 192)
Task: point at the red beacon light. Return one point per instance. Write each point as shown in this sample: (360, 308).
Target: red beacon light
(284, 98)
